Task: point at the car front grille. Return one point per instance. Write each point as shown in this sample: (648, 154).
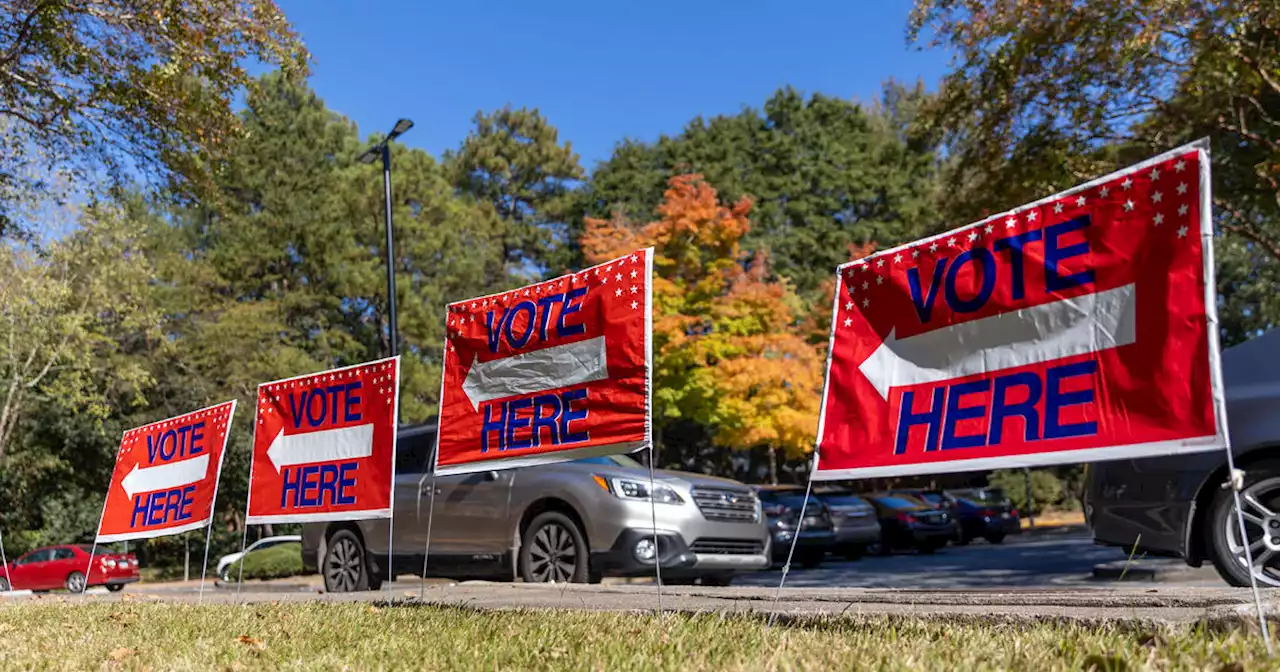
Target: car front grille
(728, 547)
(726, 504)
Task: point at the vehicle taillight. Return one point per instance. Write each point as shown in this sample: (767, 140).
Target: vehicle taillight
(906, 518)
(133, 561)
(108, 563)
(988, 512)
(1013, 512)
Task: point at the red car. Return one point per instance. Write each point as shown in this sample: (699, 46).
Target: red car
(54, 567)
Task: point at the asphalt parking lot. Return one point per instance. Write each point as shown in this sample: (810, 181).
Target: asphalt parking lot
(1041, 559)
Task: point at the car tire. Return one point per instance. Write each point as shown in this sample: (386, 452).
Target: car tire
(1261, 485)
(345, 568)
(963, 539)
(854, 552)
(996, 538)
(553, 549)
(811, 560)
(75, 582)
(4, 585)
(115, 587)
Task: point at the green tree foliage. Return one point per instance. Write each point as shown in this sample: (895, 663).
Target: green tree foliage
(825, 174)
(1046, 488)
(514, 161)
(1047, 95)
(106, 88)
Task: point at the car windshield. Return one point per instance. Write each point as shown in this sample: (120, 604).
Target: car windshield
(611, 461)
(901, 502)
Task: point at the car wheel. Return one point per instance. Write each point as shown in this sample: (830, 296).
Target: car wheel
(115, 587)
(4, 585)
(962, 539)
(996, 538)
(854, 552)
(553, 550)
(345, 567)
(1260, 499)
(679, 580)
(75, 582)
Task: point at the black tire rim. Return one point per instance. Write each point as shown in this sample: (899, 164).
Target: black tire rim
(342, 566)
(75, 582)
(1261, 506)
(553, 555)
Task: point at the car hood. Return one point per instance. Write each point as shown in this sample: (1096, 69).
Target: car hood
(668, 476)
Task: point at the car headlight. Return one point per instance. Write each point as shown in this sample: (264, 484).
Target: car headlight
(626, 488)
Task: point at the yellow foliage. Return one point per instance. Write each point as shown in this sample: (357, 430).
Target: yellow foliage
(730, 350)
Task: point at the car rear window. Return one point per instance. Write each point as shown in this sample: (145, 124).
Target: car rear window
(844, 500)
(900, 502)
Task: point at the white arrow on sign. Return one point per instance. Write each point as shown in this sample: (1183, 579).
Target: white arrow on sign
(344, 443)
(165, 476)
(1064, 328)
(529, 372)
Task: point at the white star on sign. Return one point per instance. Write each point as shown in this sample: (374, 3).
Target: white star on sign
(1105, 190)
(879, 263)
(1182, 232)
(866, 302)
(1010, 223)
(1177, 167)
(1128, 205)
(1127, 183)
(1156, 197)
(879, 279)
(634, 272)
(606, 279)
(618, 293)
(848, 322)
(915, 253)
(848, 306)
(1080, 201)
(865, 284)
(632, 258)
(618, 277)
(634, 305)
(1155, 173)
(1182, 188)
(933, 247)
(951, 243)
(988, 228)
(473, 305)
(1031, 216)
(897, 258)
(973, 235)
(1159, 219)
(1182, 209)
(634, 289)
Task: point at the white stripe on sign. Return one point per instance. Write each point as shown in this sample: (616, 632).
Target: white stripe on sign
(344, 443)
(529, 372)
(165, 476)
(1043, 333)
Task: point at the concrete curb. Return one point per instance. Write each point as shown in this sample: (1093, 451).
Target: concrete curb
(1140, 570)
(266, 587)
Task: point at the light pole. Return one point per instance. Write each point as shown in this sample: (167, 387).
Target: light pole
(384, 148)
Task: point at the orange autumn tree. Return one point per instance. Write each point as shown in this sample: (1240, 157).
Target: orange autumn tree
(730, 353)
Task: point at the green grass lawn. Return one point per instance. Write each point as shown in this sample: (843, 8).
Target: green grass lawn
(354, 636)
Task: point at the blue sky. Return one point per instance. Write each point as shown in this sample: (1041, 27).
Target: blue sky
(599, 70)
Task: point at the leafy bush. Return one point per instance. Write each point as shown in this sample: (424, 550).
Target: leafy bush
(1046, 489)
(276, 562)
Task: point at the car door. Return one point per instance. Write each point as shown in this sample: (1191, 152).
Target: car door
(63, 563)
(471, 514)
(32, 570)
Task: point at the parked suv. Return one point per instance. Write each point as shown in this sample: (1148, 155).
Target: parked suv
(568, 522)
(853, 518)
(782, 504)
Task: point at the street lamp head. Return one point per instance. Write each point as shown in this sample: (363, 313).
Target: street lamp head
(371, 154)
(401, 126)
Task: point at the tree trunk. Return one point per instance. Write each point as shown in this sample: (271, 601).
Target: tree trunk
(773, 465)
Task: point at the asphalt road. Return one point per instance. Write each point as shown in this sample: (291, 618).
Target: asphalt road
(1040, 560)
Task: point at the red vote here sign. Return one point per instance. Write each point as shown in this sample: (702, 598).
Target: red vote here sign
(166, 476)
(1077, 328)
(324, 445)
(554, 371)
